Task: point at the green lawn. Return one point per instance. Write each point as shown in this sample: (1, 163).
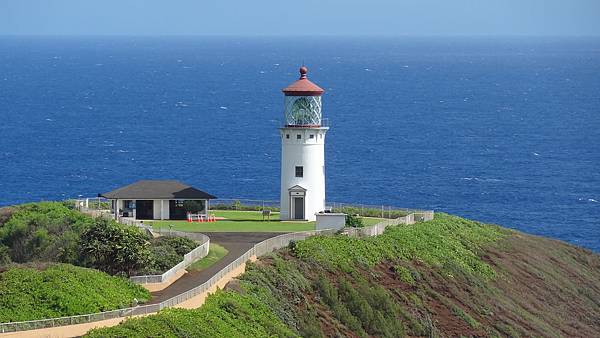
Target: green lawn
(245, 221)
(368, 221)
(237, 221)
(215, 253)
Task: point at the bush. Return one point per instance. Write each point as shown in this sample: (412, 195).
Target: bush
(181, 245)
(114, 248)
(45, 231)
(165, 253)
(354, 221)
(62, 290)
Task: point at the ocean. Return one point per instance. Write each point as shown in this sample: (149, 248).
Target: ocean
(501, 130)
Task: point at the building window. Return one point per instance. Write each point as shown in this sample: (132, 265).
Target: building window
(179, 203)
(299, 171)
(287, 135)
(312, 136)
(298, 136)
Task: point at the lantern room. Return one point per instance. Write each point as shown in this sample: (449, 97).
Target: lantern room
(303, 102)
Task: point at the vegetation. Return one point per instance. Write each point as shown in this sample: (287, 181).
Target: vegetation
(61, 290)
(236, 221)
(447, 241)
(237, 205)
(225, 314)
(45, 231)
(215, 253)
(354, 221)
(165, 253)
(114, 248)
(53, 232)
(447, 277)
(371, 212)
(193, 206)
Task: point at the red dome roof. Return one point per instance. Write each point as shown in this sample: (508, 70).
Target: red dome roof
(303, 87)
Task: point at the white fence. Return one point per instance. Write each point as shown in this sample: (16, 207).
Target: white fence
(199, 252)
(379, 228)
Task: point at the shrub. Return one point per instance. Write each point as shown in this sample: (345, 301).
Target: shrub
(165, 253)
(114, 248)
(45, 231)
(181, 245)
(354, 221)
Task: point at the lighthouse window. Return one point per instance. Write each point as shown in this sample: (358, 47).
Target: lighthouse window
(287, 135)
(312, 136)
(298, 136)
(299, 171)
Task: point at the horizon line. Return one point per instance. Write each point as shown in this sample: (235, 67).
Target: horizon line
(311, 35)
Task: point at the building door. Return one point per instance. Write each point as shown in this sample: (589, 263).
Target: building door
(298, 207)
(144, 209)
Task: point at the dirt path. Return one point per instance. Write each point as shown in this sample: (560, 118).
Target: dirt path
(236, 242)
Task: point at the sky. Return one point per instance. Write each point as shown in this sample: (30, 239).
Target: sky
(308, 17)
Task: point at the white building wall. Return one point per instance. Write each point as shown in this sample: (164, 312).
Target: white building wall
(165, 209)
(310, 154)
(156, 209)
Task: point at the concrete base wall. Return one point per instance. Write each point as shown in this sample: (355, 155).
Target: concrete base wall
(330, 221)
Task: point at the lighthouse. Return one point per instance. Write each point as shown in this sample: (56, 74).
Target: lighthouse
(302, 151)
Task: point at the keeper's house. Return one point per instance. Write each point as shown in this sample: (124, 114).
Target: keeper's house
(160, 200)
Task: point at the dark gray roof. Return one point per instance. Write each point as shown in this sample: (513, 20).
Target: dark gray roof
(154, 189)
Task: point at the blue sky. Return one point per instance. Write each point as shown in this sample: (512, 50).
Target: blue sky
(309, 17)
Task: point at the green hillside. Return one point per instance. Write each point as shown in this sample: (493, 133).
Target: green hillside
(58, 290)
(448, 277)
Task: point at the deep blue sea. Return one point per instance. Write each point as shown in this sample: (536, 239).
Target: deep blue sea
(502, 130)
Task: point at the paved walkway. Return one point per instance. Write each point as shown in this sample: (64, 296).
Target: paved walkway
(236, 242)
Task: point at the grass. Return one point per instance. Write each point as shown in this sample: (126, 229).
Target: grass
(63, 290)
(245, 221)
(428, 279)
(215, 254)
(224, 314)
(236, 221)
(447, 241)
(368, 221)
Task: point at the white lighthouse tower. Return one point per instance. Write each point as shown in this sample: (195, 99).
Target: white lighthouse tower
(302, 151)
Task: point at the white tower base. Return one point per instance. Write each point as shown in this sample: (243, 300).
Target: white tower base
(302, 172)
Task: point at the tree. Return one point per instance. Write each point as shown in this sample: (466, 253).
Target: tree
(193, 206)
(114, 248)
